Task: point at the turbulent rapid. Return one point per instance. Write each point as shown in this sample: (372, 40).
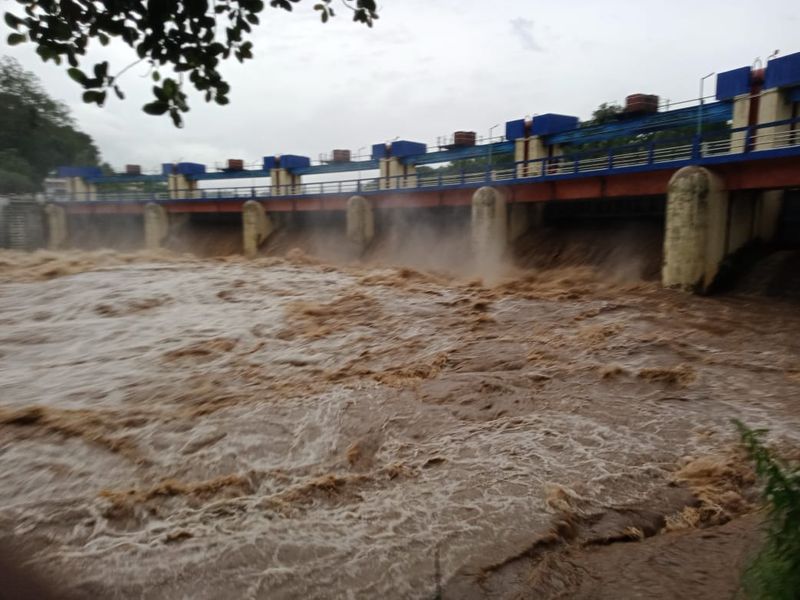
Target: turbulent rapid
(176, 427)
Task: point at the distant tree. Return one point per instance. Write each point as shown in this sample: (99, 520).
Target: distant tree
(37, 132)
(605, 113)
(189, 37)
(504, 160)
(611, 112)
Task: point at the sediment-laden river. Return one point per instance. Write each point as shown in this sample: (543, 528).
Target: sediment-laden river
(173, 427)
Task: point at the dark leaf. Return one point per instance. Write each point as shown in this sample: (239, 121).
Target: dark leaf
(94, 96)
(170, 88)
(17, 38)
(79, 76)
(101, 70)
(156, 108)
(176, 117)
(12, 21)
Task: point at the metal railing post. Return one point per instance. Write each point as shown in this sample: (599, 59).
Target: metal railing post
(696, 147)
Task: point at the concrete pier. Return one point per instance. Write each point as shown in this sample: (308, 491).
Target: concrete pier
(156, 226)
(489, 227)
(705, 224)
(256, 227)
(694, 232)
(58, 231)
(360, 223)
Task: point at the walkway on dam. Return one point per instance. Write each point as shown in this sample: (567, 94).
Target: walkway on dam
(760, 158)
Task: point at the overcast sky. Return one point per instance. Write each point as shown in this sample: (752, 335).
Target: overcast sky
(429, 68)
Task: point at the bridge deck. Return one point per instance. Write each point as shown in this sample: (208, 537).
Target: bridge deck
(633, 170)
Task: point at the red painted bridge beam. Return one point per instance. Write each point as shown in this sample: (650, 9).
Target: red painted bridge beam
(774, 174)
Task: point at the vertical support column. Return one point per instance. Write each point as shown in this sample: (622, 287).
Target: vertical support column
(285, 183)
(181, 187)
(489, 228)
(395, 175)
(81, 190)
(741, 118)
(521, 156)
(360, 223)
(696, 228)
(58, 231)
(530, 149)
(256, 227)
(774, 105)
(156, 226)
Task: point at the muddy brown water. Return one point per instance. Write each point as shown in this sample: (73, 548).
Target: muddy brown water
(174, 427)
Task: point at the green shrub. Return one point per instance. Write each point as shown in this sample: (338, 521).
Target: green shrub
(774, 573)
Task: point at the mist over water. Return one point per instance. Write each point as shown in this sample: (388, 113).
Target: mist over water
(316, 424)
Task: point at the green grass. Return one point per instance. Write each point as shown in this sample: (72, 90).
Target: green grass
(774, 573)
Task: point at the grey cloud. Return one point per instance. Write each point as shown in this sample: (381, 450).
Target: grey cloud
(522, 28)
(425, 69)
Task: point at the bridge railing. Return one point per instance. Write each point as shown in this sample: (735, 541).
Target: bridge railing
(735, 143)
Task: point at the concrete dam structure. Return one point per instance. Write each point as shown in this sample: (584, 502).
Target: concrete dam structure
(717, 174)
